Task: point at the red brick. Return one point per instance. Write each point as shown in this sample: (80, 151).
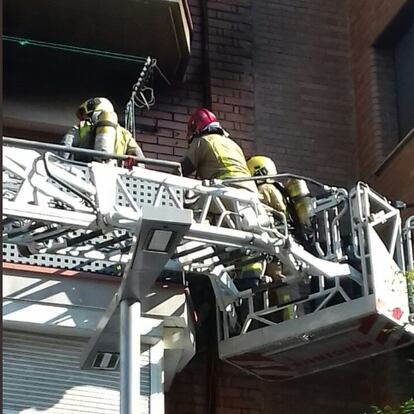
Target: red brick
(159, 149)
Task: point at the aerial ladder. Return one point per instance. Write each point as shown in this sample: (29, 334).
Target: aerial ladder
(352, 296)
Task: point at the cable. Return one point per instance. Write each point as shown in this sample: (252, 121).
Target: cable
(142, 95)
(75, 49)
(229, 181)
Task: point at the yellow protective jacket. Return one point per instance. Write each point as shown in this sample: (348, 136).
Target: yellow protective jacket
(217, 156)
(103, 133)
(272, 197)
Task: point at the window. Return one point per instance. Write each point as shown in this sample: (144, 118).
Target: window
(393, 69)
(404, 81)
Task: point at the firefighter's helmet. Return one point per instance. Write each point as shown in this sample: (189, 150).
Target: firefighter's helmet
(87, 108)
(259, 165)
(200, 120)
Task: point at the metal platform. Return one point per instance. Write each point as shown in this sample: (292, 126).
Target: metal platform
(347, 292)
(339, 335)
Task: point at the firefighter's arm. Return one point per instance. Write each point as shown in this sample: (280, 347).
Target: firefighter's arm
(70, 139)
(133, 148)
(189, 164)
(277, 201)
(187, 167)
(272, 197)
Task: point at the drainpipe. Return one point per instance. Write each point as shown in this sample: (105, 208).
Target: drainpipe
(205, 75)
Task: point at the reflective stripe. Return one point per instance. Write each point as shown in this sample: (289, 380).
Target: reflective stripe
(289, 312)
(251, 270)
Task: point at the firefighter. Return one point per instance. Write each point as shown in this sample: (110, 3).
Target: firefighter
(294, 194)
(293, 199)
(212, 154)
(99, 130)
(271, 196)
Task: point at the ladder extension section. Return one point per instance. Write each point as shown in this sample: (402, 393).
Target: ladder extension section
(89, 212)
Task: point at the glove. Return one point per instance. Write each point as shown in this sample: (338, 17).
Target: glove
(129, 163)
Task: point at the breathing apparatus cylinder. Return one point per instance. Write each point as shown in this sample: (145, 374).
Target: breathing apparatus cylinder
(301, 199)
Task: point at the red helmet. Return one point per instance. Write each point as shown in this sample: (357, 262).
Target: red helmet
(199, 120)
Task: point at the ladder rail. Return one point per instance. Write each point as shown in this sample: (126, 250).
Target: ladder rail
(59, 149)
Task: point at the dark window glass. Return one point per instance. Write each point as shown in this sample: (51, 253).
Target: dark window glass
(404, 75)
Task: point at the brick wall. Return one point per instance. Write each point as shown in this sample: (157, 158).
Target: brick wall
(277, 75)
(303, 91)
(223, 389)
(396, 177)
(230, 55)
(375, 134)
(375, 102)
(164, 126)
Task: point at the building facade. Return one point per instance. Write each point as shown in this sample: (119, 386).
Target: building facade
(321, 86)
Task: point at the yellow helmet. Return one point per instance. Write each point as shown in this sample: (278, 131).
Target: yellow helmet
(87, 108)
(259, 165)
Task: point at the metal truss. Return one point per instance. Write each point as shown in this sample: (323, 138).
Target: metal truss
(87, 216)
(369, 237)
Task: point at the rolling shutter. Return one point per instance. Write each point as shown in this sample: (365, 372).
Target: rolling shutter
(41, 374)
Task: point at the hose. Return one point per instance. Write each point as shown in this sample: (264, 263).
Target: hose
(230, 181)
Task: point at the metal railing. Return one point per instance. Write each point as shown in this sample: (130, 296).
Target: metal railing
(409, 260)
(371, 220)
(34, 176)
(99, 155)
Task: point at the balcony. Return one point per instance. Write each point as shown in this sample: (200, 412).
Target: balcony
(88, 48)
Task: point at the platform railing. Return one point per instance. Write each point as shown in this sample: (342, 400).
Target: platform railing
(373, 220)
(409, 260)
(31, 170)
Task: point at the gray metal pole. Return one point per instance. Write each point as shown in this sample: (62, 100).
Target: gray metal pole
(130, 356)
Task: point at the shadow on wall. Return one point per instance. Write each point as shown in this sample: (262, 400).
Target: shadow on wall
(73, 303)
(55, 302)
